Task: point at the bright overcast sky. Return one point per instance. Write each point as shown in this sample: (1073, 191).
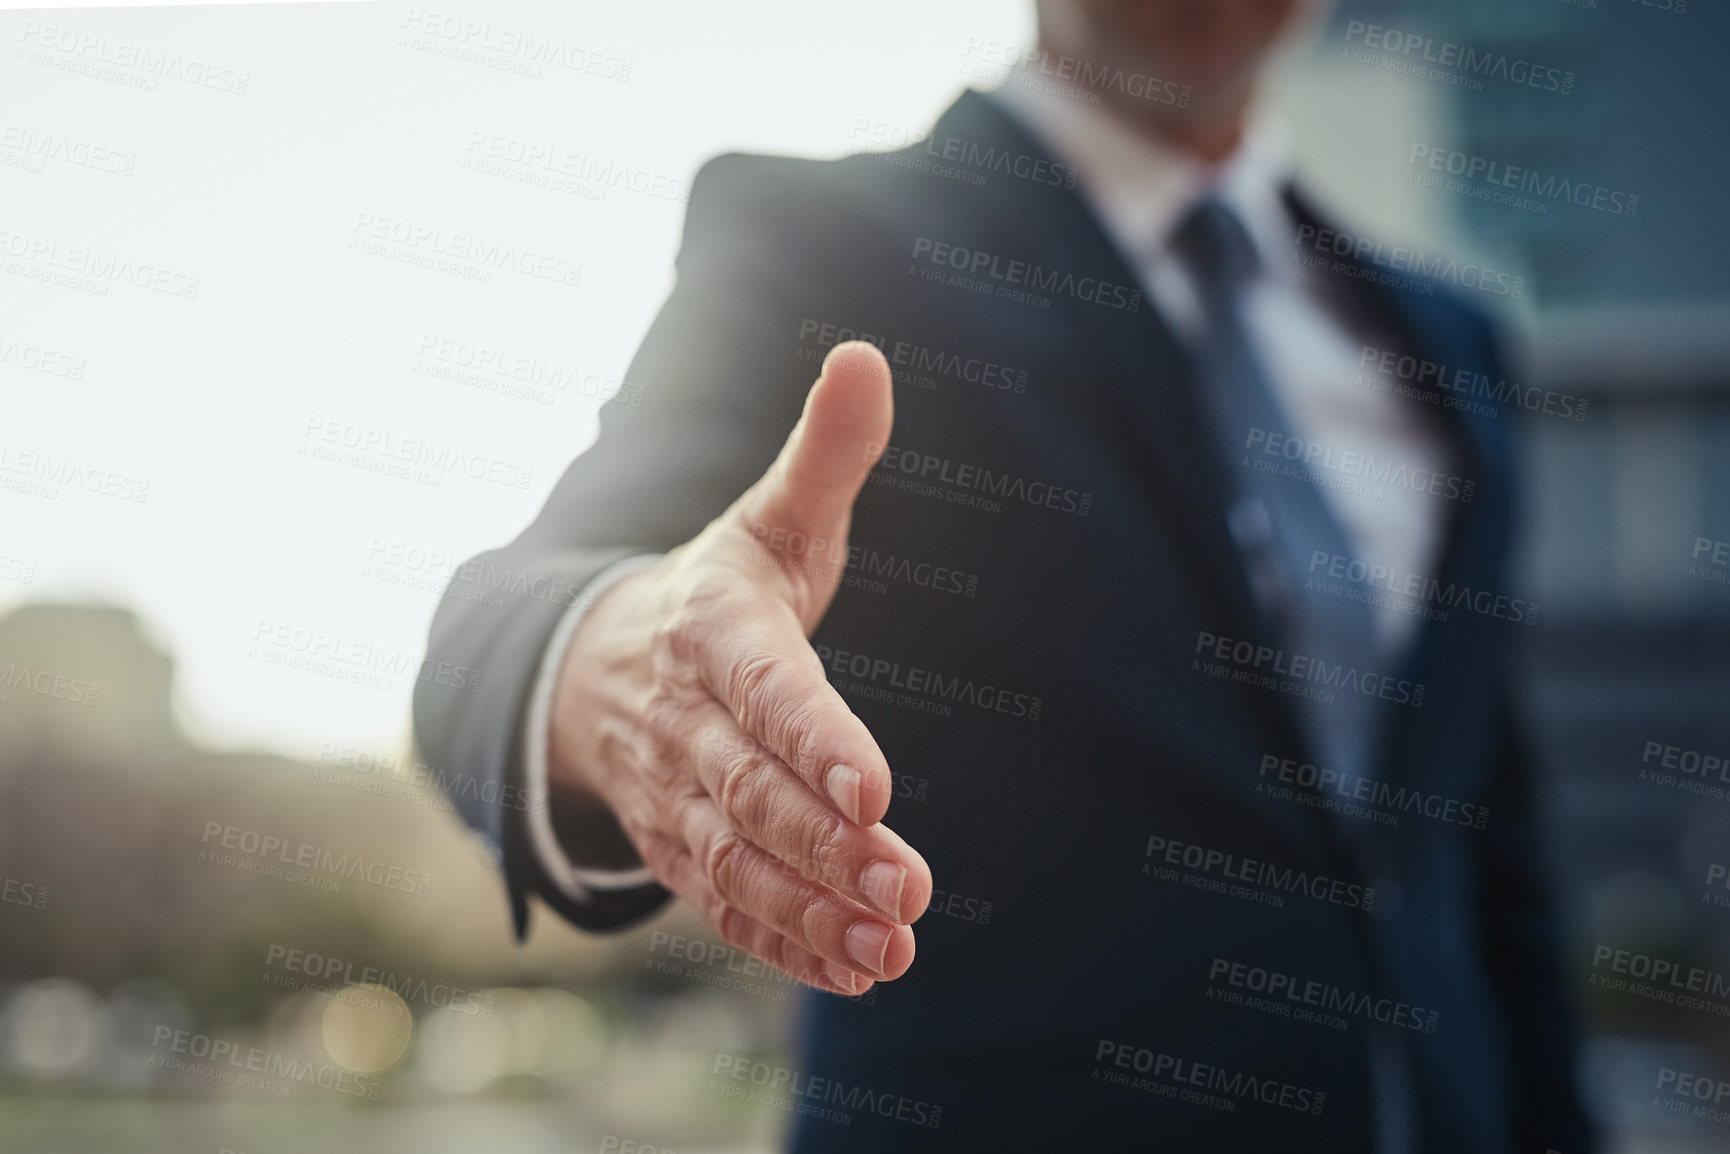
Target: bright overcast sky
(247, 148)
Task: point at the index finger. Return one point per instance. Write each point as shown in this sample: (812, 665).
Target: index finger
(767, 675)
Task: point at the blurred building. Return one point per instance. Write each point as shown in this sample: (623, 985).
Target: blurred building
(1625, 506)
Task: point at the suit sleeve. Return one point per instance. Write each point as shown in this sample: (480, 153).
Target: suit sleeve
(708, 400)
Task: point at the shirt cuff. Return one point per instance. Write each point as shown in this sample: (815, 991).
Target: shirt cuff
(575, 882)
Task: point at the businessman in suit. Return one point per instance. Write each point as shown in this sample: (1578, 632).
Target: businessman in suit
(1113, 560)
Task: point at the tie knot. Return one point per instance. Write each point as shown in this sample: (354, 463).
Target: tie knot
(1213, 241)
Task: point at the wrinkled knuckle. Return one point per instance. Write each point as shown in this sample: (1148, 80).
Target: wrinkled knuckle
(711, 615)
(828, 856)
(710, 599)
(778, 952)
(670, 644)
(740, 793)
(804, 724)
(666, 715)
(816, 918)
(725, 864)
(679, 634)
(616, 742)
(729, 922)
(754, 679)
(800, 964)
(655, 850)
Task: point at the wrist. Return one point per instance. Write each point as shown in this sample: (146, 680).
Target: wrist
(592, 671)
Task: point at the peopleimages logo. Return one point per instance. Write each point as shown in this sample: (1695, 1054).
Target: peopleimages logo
(52, 472)
(1188, 1080)
(957, 157)
(965, 483)
(47, 683)
(1701, 773)
(100, 57)
(1023, 274)
(513, 373)
(1310, 1000)
(325, 974)
(1072, 76)
(104, 267)
(913, 362)
(252, 1067)
(40, 147)
(1550, 186)
(17, 569)
(424, 244)
(858, 565)
(1353, 466)
(319, 651)
(37, 359)
(1463, 388)
(539, 162)
(1701, 1088)
(254, 852)
(1458, 64)
(372, 773)
(1403, 259)
(15, 892)
(482, 42)
(1360, 580)
(1185, 855)
(1710, 560)
(1717, 878)
(806, 1094)
(1661, 980)
(1250, 658)
(926, 689)
(417, 458)
(1351, 787)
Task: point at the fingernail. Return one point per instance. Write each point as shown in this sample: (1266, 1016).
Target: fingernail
(868, 944)
(843, 784)
(883, 882)
(881, 781)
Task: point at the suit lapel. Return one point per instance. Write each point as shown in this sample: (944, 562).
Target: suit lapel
(1147, 382)
(1437, 328)
(1146, 379)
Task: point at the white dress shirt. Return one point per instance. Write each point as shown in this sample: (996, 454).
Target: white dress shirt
(574, 882)
(1308, 346)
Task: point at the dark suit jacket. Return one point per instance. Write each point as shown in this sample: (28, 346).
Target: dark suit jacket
(1020, 630)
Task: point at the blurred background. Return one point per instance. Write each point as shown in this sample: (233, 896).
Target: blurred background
(234, 915)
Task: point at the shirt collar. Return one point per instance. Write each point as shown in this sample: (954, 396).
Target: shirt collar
(1141, 187)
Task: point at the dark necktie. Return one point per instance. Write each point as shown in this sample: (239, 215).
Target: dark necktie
(1280, 516)
(1280, 519)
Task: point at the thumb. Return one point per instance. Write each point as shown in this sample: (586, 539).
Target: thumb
(812, 485)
